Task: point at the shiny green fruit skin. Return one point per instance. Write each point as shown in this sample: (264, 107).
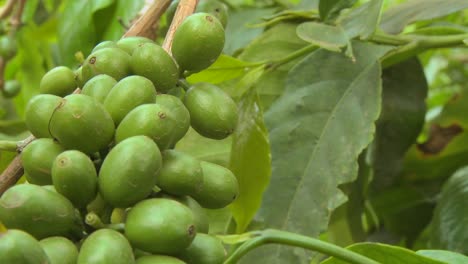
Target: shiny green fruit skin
(181, 174)
(178, 109)
(106, 246)
(19, 247)
(130, 44)
(99, 87)
(104, 44)
(216, 8)
(8, 47)
(59, 81)
(60, 250)
(38, 113)
(160, 226)
(220, 187)
(159, 259)
(128, 173)
(38, 158)
(153, 62)
(40, 212)
(11, 88)
(205, 249)
(82, 123)
(213, 113)
(127, 94)
(110, 61)
(152, 120)
(75, 177)
(198, 42)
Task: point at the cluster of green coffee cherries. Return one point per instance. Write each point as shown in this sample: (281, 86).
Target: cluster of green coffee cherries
(105, 184)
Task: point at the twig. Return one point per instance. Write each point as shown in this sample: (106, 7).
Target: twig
(15, 19)
(184, 9)
(11, 174)
(7, 8)
(147, 20)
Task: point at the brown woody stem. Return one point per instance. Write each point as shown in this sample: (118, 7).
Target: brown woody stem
(184, 9)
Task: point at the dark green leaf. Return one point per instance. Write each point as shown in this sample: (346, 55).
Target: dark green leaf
(250, 160)
(317, 130)
(328, 37)
(330, 9)
(442, 255)
(451, 217)
(396, 18)
(386, 254)
(362, 21)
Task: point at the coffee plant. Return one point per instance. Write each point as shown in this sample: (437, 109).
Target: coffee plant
(233, 131)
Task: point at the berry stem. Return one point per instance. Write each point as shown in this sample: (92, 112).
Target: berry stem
(272, 236)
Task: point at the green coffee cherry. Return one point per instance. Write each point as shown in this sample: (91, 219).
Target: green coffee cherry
(59, 250)
(128, 173)
(111, 61)
(127, 94)
(38, 158)
(152, 120)
(216, 8)
(172, 221)
(38, 113)
(205, 249)
(198, 42)
(153, 62)
(170, 12)
(8, 47)
(75, 177)
(106, 246)
(159, 259)
(178, 109)
(213, 113)
(79, 77)
(130, 44)
(19, 247)
(59, 81)
(220, 187)
(82, 123)
(99, 87)
(11, 88)
(38, 211)
(181, 174)
(104, 44)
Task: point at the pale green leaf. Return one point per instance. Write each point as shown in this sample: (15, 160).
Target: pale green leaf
(362, 21)
(328, 37)
(443, 255)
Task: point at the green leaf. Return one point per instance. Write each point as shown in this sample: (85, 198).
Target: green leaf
(328, 37)
(330, 9)
(125, 11)
(443, 255)
(453, 112)
(400, 122)
(362, 21)
(396, 18)
(386, 254)
(250, 160)
(76, 30)
(451, 217)
(225, 68)
(318, 128)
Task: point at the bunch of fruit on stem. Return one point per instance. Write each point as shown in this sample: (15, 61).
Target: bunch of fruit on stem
(105, 184)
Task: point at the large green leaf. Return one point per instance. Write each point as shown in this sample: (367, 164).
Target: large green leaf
(443, 255)
(330, 9)
(318, 128)
(386, 254)
(225, 68)
(362, 21)
(400, 121)
(396, 18)
(451, 217)
(250, 160)
(77, 30)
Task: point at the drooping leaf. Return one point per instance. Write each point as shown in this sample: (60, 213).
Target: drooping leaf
(330, 9)
(318, 128)
(386, 254)
(362, 21)
(448, 226)
(325, 36)
(250, 160)
(443, 255)
(400, 122)
(396, 18)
